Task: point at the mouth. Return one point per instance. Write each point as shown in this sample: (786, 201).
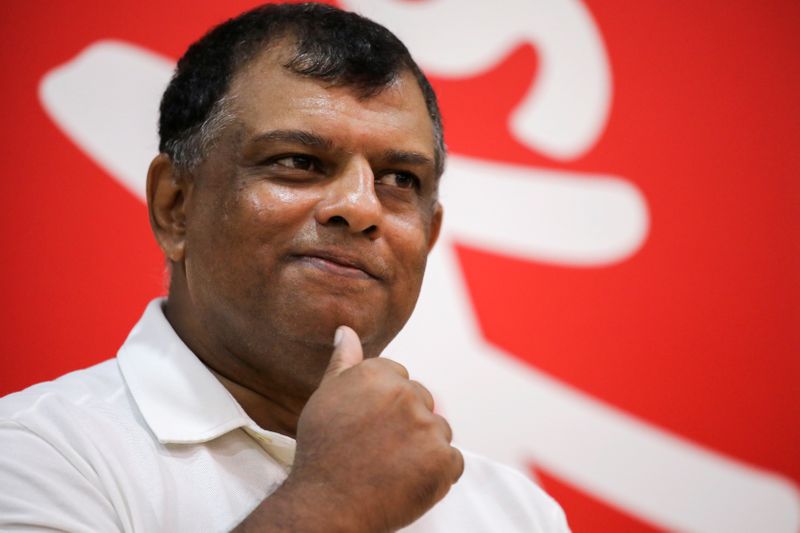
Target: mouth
(339, 264)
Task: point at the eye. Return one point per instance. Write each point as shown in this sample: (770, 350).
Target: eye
(401, 180)
(299, 162)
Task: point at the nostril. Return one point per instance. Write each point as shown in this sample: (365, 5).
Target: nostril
(338, 220)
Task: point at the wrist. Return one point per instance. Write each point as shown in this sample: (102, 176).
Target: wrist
(312, 506)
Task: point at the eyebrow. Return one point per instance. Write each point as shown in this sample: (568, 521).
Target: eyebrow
(398, 157)
(305, 138)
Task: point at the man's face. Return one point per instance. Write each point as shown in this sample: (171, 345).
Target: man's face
(316, 208)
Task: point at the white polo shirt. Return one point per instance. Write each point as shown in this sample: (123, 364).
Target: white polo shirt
(152, 441)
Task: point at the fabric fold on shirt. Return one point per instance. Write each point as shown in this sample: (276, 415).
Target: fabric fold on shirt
(180, 399)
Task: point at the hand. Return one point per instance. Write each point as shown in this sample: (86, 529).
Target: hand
(369, 440)
(371, 454)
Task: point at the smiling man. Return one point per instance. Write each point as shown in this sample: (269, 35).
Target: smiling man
(295, 198)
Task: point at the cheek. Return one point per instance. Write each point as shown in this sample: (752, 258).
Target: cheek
(409, 241)
(243, 236)
(266, 204)
(270, 214)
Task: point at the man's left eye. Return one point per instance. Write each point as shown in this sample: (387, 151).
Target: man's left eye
(300, 162)
(401, 180)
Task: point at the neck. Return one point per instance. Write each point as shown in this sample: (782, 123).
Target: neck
(274, 414)
(271, 381)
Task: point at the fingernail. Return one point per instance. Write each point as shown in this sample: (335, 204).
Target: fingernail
(337, 338)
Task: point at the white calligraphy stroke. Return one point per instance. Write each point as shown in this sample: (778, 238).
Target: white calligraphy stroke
(108, 95)
(565, 111)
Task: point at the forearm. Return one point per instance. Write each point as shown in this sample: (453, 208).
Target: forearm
(302, 506)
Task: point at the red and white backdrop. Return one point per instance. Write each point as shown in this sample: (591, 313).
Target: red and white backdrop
(614, 306)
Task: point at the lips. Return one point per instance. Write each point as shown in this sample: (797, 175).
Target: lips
(342, 263)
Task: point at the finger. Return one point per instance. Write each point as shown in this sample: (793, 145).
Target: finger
(392, 366)
(347, 352)
(458, 463)
(446, 429)
(424, 394)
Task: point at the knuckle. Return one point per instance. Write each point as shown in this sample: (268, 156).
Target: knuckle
(457, 460)
(381, 366)
(445, 427)
(424, 422)
(406, 394)
(422, 389)
(369, 367)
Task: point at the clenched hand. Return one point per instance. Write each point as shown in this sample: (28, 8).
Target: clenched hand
(371, 454)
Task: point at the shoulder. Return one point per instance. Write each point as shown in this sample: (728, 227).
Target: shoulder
(493, 497)
(48, 441)
(73, 402)
(79, 386)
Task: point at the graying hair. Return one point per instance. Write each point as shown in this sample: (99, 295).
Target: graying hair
(189, 150)
(332, 45)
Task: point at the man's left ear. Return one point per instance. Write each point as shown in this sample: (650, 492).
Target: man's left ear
(436, 225)
(167, 195)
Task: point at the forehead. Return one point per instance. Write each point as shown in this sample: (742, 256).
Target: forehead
(267, 96)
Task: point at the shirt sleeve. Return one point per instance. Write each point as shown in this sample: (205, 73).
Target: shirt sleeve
(492, 497)
(46, 488)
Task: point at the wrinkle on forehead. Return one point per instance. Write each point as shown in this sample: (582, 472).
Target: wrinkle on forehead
(268, 94)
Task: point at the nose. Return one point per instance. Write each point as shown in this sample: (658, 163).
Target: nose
(350, 200)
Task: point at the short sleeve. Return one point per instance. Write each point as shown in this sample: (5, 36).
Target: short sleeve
(44, 489)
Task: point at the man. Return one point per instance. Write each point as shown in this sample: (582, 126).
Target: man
(295, 198)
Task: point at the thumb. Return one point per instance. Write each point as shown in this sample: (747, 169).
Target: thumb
(347, 352)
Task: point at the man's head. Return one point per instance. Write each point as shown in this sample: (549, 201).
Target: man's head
(296, 191)
(331, 45)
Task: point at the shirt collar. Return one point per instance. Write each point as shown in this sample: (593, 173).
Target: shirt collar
(180, 399)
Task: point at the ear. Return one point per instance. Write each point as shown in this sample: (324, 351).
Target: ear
(167, 196)
(436, 225)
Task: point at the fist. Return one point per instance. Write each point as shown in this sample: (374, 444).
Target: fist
(369, 442)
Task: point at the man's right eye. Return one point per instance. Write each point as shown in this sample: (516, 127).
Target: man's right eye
(299, 162)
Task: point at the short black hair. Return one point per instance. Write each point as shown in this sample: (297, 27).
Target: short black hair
(336, 46)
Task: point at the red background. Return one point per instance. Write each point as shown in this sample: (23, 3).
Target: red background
(697, 332)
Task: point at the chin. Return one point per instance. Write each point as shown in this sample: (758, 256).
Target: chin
(373, 327)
